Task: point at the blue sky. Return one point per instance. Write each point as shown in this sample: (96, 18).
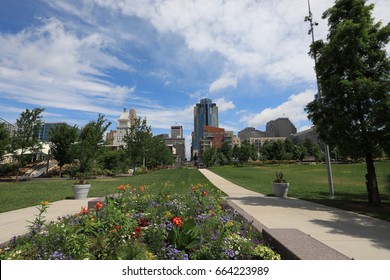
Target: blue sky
(84, 57)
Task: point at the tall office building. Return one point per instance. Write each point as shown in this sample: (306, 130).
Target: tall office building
(205, 114)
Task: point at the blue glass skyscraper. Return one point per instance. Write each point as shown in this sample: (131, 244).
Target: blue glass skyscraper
(205, 113)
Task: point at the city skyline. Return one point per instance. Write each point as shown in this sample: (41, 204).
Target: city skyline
(80, 58)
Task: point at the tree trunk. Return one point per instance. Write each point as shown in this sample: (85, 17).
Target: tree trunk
(372, 184)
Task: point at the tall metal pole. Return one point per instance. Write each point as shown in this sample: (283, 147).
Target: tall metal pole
(309, 18)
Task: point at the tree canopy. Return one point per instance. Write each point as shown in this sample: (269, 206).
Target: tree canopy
(352, 112)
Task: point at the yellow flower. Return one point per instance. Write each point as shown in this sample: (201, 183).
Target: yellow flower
(150, 256)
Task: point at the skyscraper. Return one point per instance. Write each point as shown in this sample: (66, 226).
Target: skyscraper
(205, 114)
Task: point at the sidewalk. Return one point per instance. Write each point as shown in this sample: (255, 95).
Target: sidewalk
(357, 236)
(14, 223)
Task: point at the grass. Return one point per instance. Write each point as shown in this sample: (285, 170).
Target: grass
(310, 182)
(24, 194)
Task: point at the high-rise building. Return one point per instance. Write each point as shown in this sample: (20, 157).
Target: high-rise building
(281, 127)
(205, 114)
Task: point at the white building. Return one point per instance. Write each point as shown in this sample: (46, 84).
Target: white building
(125, 121)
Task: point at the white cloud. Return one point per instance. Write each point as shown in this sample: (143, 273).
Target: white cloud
(224, 105)
(226, 80)
(50, 66)
(293, 109)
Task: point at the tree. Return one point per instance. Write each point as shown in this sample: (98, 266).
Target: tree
(244, 152)
(159, 153)
(138, 141)
(26, 134)
(227, 151)
(88, 146)
(62, 138)
(353, 71)
(5, 140)
(209, 156)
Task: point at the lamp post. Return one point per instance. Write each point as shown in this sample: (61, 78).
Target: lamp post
(309, 18)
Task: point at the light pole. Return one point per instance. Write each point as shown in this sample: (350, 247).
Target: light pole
(309, 18)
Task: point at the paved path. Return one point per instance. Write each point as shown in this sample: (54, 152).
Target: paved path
(14, 223)
(354, 235)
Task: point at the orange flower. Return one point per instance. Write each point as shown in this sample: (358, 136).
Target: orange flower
(121, 188)
(84, 210)
(99, 205)
(43, 203)
(204, 193)
(193, 188)
(141, 188)
(177, 221)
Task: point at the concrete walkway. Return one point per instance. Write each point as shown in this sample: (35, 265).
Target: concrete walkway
(354, 235)
(15, 223)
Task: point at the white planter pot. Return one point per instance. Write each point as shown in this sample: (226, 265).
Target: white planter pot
(81, 191)
(280, 189)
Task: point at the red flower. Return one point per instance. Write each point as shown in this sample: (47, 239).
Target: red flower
(84, 210)
(177, 221)
(99, 205)
(143, 222)
(204, 193)
(193, 188)
(136, 232)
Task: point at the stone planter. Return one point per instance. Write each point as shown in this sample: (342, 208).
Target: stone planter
(81, 191)
(280, 189)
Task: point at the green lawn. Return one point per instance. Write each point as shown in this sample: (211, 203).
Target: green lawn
(310, 182)
(24, 194)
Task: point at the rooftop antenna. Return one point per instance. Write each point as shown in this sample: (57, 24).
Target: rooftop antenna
(312, 23)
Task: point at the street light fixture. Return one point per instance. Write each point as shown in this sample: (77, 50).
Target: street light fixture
(309, 18)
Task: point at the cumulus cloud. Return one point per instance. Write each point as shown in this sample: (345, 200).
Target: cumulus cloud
(49, 65)
(226, 80)
(224, 105)
(293, 108)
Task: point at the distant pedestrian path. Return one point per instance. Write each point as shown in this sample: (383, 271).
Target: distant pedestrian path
(354, 235)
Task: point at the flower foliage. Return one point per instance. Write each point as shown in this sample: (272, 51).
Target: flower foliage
(137, 225)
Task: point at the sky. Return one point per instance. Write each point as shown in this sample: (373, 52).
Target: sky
(81, 58)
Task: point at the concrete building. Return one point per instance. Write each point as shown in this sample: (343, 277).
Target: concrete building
(281, 127)
(251, 132)
(176, 143)
(125, 121)
(310, 133)
(205, 114)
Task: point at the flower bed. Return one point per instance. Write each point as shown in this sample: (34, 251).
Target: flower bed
(137, 225)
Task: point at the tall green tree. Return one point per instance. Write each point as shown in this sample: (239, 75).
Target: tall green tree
(353, 72)
(227, 151)
(5, 140)
(209, 156)
(88, 146)
(138, 141)
(25, 137)
(62, 138)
